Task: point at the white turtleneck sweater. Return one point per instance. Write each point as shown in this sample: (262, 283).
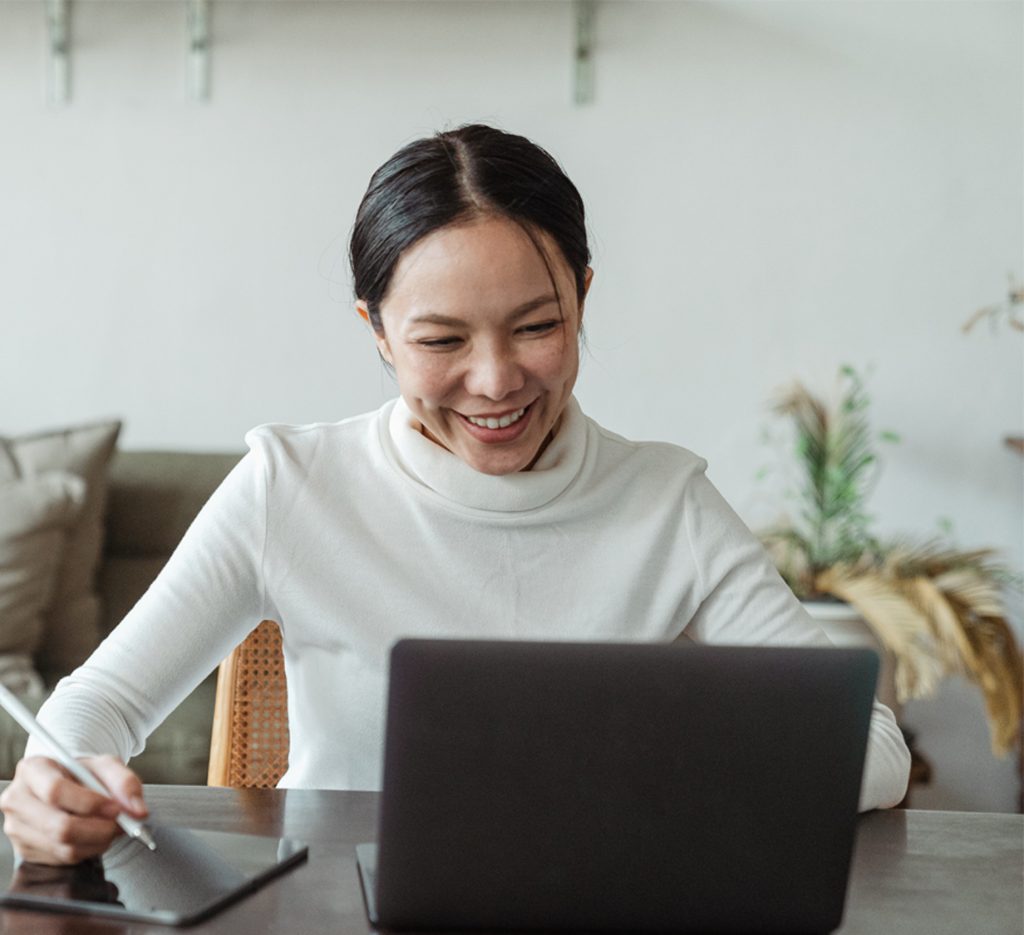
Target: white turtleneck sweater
(354, 534)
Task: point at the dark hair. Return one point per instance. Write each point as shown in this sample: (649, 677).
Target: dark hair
(455, 176)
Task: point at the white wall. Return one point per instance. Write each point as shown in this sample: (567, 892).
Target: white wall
(774, 189)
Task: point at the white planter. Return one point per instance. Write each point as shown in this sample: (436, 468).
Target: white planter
(846, 627)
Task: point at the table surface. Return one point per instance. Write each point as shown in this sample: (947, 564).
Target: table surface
(913, 872)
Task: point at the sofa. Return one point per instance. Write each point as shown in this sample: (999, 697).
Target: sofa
(149, 500)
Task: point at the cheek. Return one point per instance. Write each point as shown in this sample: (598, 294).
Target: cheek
(427, 379)
(558, 362)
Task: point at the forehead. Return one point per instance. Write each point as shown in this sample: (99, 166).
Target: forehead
(488, 263)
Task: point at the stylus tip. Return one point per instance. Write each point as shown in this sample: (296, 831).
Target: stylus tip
(146, 838)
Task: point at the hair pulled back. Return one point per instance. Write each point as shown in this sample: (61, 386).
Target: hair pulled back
(453, 177)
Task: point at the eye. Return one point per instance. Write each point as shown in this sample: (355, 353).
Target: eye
(540, 327)
(439, 343)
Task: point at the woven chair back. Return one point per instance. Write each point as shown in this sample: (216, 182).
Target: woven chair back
(249, 745)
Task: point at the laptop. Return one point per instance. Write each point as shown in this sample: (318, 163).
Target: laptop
(596, 787)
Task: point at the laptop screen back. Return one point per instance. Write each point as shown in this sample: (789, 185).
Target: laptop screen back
(614, 787)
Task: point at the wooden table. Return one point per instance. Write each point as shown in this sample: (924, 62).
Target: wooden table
(914, 871)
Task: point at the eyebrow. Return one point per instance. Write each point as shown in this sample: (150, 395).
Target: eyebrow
(432, 318)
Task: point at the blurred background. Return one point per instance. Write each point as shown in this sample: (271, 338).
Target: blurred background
(774, 189)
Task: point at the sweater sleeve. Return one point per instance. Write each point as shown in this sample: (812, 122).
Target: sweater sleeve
(202, 604)
(745, 601)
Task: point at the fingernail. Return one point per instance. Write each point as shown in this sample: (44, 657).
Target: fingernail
(138, 805)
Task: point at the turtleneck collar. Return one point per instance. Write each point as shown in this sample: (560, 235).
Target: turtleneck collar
(435, 468)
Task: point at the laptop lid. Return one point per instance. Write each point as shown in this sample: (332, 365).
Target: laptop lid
(615, 787)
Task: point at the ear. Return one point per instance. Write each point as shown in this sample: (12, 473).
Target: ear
(383, 347)
(588, 278)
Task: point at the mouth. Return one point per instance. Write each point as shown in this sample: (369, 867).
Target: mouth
(497, 427)
(497, 422)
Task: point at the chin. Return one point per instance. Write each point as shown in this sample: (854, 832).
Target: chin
(496, 464)
(497, 469)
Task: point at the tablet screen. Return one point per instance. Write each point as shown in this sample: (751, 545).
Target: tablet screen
(191, 875)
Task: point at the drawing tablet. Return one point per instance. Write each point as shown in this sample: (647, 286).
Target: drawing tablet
(191, 875)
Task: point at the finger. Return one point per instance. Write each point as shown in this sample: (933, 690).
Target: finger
(44, 834)
(47, 781)
(124, 785)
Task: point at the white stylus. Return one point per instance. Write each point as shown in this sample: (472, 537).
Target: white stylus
(13, 706)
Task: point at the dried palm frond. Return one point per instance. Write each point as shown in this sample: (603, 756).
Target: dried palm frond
(900, 626)
(952, 645)
(1000, 677)
(997, 668)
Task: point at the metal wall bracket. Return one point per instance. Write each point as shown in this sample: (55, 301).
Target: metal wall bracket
(583, 65)
(58, 73)
(198, 64)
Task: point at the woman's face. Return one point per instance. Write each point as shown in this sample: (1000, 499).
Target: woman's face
(484, 357)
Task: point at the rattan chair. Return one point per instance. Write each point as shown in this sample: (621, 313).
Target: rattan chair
(249, 745)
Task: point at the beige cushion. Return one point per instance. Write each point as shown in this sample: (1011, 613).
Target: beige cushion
(70, 630)
(36, 517)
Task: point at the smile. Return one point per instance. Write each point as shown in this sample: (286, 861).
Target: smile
(502, 422)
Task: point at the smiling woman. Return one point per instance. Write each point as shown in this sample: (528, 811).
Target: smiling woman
(481, 502)
(476, 297)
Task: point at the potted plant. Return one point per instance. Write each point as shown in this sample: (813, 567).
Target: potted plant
(933, 609)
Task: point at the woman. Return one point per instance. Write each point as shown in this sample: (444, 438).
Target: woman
(482, 502)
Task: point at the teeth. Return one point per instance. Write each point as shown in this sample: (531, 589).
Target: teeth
(503, 422)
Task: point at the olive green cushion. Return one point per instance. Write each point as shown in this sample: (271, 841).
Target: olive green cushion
(178, 751)
(155, 495)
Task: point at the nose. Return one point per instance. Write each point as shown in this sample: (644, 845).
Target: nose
(494, 372)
